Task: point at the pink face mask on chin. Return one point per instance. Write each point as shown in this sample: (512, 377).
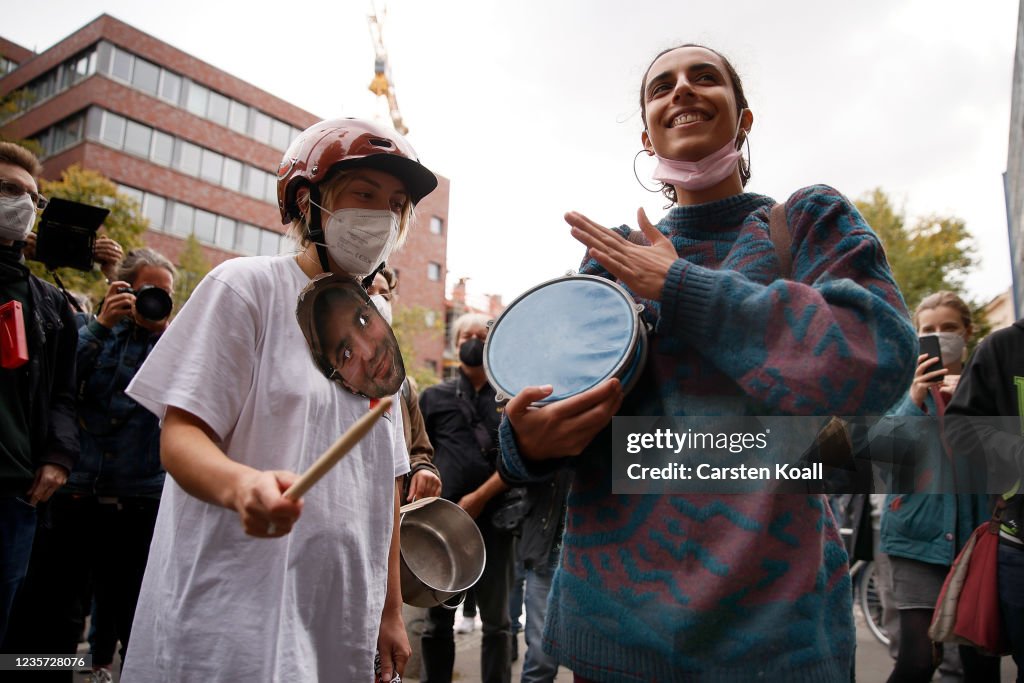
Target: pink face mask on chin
(702, 174)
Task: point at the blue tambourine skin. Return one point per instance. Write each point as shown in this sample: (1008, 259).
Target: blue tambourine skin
(572, 332)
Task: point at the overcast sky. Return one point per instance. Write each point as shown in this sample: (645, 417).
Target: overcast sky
(530, 107)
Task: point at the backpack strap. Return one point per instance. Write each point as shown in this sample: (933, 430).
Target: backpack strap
(778, 231)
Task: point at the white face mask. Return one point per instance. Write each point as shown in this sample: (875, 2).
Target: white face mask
(383, 305)
(16, 217)
(952, 346)
(359, 240)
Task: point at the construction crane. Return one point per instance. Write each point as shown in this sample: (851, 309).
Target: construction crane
(382, 85)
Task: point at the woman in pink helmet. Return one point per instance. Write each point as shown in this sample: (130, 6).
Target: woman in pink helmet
(237, 587)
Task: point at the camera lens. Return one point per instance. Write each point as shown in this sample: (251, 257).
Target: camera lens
(153, 303)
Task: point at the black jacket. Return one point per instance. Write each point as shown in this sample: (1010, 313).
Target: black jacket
(463, 427)
(52, 361)
(542, 527)
(985, 418)
(52, 340)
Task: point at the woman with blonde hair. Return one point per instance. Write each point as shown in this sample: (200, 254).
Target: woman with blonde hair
(921, 532)
(238, 587)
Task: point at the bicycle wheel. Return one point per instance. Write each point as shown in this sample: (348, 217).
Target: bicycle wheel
(870, 603)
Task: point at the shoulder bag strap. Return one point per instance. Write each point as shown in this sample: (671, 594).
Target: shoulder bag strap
(778, 231)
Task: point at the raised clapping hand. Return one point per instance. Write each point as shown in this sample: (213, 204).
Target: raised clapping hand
(564, 427)
(925, 377)
(264, 511)
(641, 268)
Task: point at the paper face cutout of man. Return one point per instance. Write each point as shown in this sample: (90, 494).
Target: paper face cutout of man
(350, 341)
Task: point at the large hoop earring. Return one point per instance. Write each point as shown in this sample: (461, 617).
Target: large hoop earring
(637, 175)
(746, 141)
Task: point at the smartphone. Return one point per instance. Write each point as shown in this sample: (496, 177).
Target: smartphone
(930, 345)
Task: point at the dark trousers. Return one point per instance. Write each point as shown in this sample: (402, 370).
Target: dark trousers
(1011, 602)
(492, 591)
(17, 529)
(84, 543)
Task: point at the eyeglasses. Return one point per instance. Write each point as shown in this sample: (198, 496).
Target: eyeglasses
(11, 189)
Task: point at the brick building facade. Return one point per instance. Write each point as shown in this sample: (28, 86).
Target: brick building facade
(195, 146)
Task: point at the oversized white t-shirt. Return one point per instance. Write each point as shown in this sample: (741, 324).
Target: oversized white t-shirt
(216, 604)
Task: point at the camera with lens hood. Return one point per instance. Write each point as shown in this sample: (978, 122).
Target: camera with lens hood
(151, 302)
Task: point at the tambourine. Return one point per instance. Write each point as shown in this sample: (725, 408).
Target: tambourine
(573, 333)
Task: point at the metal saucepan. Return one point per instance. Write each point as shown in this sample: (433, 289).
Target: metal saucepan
(442, 553)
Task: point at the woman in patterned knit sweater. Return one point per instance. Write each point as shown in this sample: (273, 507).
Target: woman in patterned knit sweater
(714, 587)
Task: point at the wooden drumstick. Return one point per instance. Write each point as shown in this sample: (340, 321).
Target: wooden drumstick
(337, 451)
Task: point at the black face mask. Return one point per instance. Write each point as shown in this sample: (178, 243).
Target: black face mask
(471, 353)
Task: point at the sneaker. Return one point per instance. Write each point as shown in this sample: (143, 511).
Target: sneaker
(100, 675)
(465, 625)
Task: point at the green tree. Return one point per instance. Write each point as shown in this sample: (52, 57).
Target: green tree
(410, 325)
(192, 268)
(125, 223)
(936, 252)
(12, 104)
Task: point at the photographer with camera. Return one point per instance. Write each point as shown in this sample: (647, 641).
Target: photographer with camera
(108, 508)
(38, 438)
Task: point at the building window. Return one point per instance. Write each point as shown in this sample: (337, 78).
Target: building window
(188, 157)
(176, 218)
(205, 226)
(270, 243)
(238, 117)
(280, 134)
(434, 271)
(217, 109)
(430, 319)
(153, 208)
(170, 86)
(232, 174)
(133, 194)
(436, 225)
(121, 67)
(146, 76)
(225, 233)
(248, 239)
(255, 183)
(261, 126)
(137, 139)
(195, 99)
(113, 130)
(163, 148)
(6, 65)
(184, 215)
(212, 166)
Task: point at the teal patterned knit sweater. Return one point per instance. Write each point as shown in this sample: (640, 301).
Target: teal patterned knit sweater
(742, 587)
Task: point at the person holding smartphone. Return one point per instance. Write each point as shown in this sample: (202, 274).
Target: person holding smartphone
(922, 533)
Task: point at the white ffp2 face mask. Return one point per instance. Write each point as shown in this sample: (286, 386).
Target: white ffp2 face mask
(952, 346)
(359, 240)
(16, 217)
(383, 305)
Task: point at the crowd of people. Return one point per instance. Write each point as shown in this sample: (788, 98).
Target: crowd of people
(214, 573)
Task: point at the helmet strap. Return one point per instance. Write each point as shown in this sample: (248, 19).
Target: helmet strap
(368, 280)
(316, 230)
